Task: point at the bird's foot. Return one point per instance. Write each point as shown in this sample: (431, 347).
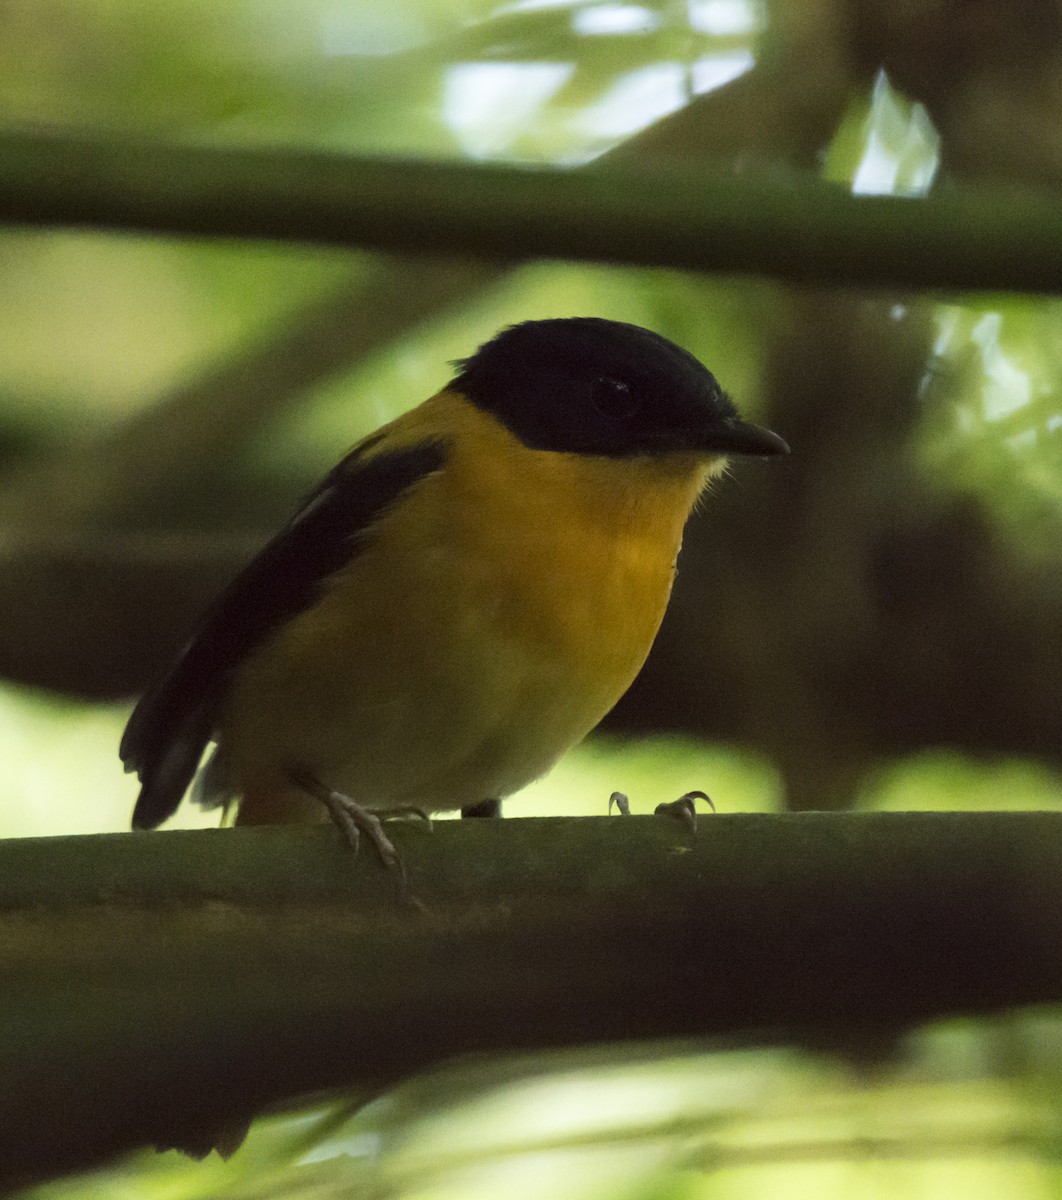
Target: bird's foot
(683, 808)
(354, 819)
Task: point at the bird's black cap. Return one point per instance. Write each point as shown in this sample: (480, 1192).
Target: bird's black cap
(584, 385)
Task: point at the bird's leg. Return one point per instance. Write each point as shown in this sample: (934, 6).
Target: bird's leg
(683, 807)
(352, 818)
(485, 808)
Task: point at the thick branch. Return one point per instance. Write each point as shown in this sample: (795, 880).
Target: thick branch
(160, 987)
(784, 225)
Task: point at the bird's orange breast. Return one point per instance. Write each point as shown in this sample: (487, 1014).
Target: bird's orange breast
(576, 555)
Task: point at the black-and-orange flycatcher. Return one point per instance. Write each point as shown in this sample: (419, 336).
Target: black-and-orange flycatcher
(462, 599)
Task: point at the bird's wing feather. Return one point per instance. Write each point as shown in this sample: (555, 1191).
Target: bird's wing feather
(173, 722)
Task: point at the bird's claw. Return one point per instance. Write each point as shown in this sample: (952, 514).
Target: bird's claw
(684, 808)
(406, 812)
(619, 799)
(353, 820)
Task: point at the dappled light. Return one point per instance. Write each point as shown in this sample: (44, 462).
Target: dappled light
(870, 625)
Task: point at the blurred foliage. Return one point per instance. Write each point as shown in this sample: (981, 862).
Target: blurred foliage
(961, 1109)
(993, 416)
(552, 81)
(885, 145)
(97, 329)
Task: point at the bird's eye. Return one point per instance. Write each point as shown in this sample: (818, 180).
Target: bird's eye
(613, 398)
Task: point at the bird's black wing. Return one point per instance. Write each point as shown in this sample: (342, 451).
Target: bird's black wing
(173, 722)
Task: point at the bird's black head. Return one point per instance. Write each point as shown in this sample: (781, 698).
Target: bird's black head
(583, 385)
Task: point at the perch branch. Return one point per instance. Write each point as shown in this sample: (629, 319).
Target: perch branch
(159, 988)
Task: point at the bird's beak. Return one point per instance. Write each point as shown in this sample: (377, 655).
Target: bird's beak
(740, 437)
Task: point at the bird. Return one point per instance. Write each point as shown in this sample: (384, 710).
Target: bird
(461, 599)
